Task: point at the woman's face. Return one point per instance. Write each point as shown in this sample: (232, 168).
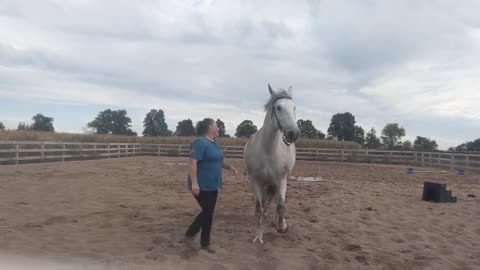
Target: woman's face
(214, 129)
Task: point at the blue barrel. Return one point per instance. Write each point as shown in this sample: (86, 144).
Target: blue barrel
(410, 170)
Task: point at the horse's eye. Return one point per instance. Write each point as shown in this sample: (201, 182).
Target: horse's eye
(279, 108)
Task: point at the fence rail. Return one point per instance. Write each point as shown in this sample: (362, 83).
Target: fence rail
(18, 152)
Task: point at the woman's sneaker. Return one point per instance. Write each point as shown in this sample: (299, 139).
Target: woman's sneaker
(209, 249)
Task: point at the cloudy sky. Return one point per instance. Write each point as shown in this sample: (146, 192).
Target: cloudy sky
(416, 63)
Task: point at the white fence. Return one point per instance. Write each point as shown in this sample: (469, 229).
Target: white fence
(17, 152)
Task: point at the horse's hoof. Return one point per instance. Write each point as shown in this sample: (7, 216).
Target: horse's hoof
(282, 230)
(257, 239)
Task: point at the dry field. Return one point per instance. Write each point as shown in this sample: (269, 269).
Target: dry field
(131, 213)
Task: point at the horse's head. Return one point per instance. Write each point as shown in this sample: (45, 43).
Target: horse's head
(283, 114)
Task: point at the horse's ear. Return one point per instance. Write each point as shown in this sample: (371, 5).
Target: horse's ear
(270, 89)
(290, 90)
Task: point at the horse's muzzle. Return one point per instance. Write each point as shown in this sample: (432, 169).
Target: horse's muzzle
(292, 135)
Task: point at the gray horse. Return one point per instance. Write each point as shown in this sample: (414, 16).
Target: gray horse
(269, 157)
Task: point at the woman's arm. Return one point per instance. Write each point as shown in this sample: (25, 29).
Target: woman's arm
(192, 172)
(229, 166)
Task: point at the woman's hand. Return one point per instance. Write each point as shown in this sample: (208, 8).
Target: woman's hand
(195, 189)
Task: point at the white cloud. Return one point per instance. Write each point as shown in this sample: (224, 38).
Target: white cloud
(405, 61)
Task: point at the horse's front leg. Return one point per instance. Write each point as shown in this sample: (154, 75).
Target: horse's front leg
(259, 218)
(259, 213)
(281, 223)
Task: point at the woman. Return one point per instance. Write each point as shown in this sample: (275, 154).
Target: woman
(205, 180)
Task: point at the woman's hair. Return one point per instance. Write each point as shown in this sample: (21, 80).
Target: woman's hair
(203, 126)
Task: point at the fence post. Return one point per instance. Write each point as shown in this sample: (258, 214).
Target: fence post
(159, 149)
(108, 150)
(423, 159)
(17, 153)
(42, 153)
(343, 154)
(178, 150)
(430, 156)
(316, 155)
(118, 151)
(466, 163)
(415, 157)
(80, 150)
(452, 161)
(63, 151)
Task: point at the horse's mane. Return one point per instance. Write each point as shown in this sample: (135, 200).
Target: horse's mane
(276, 96)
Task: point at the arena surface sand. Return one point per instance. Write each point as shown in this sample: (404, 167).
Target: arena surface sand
(131, 213)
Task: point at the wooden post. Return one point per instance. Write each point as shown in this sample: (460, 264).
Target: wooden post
(430, 156)
(63, 152)
(423, 159)
(178, 149)
(466, 163)
(118, 150)
(415, 157)
(80, 149)
(159, 154)
(452, 162)
(42, 154)
(17, 153)
(343, 154)
(316, 155)
(108, 151)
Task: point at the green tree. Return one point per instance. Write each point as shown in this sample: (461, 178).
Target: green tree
(371, 140)
(342, 127)
(2, 127)
(154, 124)
(320, 135)
(461, 148)
(112, 122)
(392, 136)
(424, 144)
(407, 145)
(42, 123)
(469, 146)
(307, 130)
(185, 128)
(221, 126)
(474, 146)
(359, 135)
(22, 126)
(246, 129)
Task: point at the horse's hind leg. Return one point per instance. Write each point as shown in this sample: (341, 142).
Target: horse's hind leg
(281, 223)
(259, 213)
(270, 194)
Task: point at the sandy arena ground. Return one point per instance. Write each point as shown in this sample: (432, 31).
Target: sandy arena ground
(132, 213)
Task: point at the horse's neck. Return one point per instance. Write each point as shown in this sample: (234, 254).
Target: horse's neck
(270, 134)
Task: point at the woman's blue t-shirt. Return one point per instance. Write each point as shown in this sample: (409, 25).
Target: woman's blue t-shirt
(209, 165)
